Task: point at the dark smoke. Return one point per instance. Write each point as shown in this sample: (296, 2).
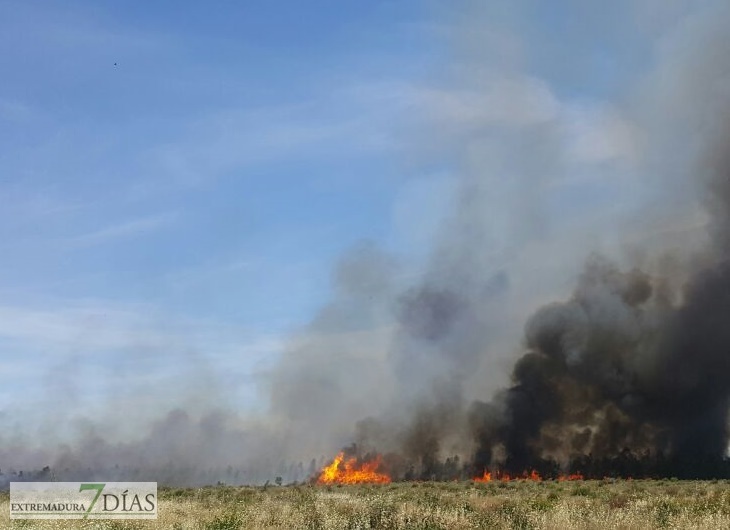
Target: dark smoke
(626, 374)
(618, 368)
(632, 364)
(629, 376)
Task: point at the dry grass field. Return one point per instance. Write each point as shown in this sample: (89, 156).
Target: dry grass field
(636, 504)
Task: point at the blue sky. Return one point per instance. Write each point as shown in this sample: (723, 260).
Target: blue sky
(178, 179)
(182, 177)
(213, 137)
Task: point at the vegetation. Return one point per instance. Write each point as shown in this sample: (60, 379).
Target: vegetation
(624, 504)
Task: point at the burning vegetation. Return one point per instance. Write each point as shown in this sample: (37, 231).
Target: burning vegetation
(628, 377)
(489, 476)
(625, 375)
(350, 470)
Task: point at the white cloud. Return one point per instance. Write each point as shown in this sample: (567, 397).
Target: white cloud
(98, 326)
(126, 229)
(82, 327)
(328, 127)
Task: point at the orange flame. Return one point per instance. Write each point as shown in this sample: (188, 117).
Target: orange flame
(342, 471)
(486, 477)
(572, 476)
(506, 477)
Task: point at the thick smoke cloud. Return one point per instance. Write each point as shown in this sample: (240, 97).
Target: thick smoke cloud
(631, 368)
(617, 367)
(612, 218)
(635, 363)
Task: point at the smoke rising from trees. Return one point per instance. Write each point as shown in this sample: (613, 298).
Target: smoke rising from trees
(573, 308)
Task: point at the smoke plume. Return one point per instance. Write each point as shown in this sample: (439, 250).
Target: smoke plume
(611, 216)
(629, 373)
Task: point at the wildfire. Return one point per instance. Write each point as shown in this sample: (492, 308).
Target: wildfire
(572, 476)
(348, 471)
(486, 477)
(489, 476)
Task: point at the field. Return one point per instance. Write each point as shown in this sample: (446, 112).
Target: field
(636, 504)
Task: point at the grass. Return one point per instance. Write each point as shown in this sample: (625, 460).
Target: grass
(621, 504)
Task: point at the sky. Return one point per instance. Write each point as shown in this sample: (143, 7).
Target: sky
(178, 180)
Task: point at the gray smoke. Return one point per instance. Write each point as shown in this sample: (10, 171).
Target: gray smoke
(635, 360)
(632, 364)
(618, 209)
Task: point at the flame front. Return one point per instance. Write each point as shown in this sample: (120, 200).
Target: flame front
(489, 476)
(572, 476)
(486, 477)
(342, 471)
